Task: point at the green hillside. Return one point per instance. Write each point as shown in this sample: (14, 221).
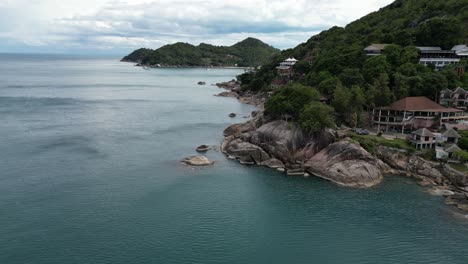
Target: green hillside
(354, 81)
(247, 53)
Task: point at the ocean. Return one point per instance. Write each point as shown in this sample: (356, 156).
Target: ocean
(90, 172)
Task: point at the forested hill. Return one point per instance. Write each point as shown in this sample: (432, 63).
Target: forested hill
(338, 52)
(247, 53)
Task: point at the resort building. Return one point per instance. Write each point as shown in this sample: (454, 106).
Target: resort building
(285, 69)
(423, 139)
(412, 113)
(461, 51)
(451, 136)
(375, 49)
(447, 152)
(457, 98)
(437, 57)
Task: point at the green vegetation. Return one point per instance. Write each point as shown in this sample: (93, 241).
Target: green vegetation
(300, 104)
(459, 167)
(462, 155)
(370, 142)
(316, 116)
(290, 101)
(247, 53)
(340, 64)
(463, 141)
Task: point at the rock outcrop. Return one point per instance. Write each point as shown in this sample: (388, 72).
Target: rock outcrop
(288, 142)
(418, 167)
(449, 182)
(198, 161)
(347, 164)
(282, 145)
(203, 148)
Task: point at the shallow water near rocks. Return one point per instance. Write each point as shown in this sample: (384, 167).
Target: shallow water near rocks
(90, 172)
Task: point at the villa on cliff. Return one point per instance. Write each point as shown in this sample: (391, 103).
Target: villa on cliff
(430, 55)
(285, 69)
(375, 49)
(457, 98)
(412, 113)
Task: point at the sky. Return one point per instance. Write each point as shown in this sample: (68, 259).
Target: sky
(120, 26)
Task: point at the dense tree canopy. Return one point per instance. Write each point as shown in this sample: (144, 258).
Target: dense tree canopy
(247, 53)
(290, 100)
(354, 81)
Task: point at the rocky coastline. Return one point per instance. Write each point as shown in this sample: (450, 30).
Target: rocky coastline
(233, 89)
(283, 146)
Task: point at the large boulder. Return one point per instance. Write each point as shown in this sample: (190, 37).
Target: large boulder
(246, 152)
(347, 164)
(198, 161)
(288, 142)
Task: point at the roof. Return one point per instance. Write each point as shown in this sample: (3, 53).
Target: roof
(291, 60)
(446, 91)
(419, 103)
(460, 47)
(376, 47)
(423, 133)
(452, 148)
(459, 90)
(429, 48)
(451, 134)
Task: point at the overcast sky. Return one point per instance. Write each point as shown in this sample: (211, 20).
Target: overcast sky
(119, 26)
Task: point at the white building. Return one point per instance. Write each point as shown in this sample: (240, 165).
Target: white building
(437, 57)
(286, 67)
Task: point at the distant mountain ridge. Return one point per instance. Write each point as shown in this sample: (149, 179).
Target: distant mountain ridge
(247, 53)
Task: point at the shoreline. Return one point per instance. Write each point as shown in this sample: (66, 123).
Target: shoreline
(440, 179)
(184, 66)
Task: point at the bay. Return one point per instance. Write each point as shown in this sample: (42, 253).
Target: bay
(90, 173)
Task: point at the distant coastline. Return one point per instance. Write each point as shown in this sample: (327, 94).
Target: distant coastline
(185, 66)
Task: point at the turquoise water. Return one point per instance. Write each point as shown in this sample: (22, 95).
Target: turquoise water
(90, 173)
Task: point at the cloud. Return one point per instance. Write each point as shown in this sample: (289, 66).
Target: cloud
(127, 24)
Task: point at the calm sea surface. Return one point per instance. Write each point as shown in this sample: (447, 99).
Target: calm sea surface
(90, 173)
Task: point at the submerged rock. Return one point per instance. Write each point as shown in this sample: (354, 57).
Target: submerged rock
(201, 83)
(347, 164)
(232, 115)
(198, 161)
(228, 94)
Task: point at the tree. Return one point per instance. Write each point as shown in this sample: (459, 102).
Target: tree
(433, 83)
(401, 89)
(302, 67)
(384, 95)
(341, 100)
(351, 76)
(314, 78)
(328, 86)
(315, 117)
(358, 97)
(463, 143)
(410, 54)
(393, 54)
(290, 100)
(443, 32)
(374, 67)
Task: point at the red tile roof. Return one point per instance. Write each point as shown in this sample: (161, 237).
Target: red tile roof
(419, 103)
